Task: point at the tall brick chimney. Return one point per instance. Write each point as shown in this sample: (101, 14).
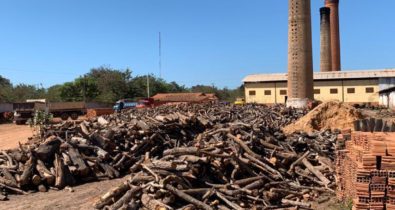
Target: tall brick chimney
(326, 53)
(300, 58)
(335, 33)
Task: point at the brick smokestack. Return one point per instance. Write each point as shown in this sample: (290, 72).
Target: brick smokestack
(335, 33)
(326, 53)
(300, 58)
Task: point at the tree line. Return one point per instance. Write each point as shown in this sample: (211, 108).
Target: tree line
(106, 85)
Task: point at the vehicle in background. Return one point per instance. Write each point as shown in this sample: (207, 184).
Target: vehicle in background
(130, 104)
(240, 101)
(5, 111)
(25, 111)
(124, 104)
(64, 110)
(146, 103)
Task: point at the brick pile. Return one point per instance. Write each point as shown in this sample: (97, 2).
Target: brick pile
(366, 169)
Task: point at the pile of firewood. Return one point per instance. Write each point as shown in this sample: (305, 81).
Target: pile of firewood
(207, 156)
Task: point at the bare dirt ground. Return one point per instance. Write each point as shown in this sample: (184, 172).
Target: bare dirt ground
(11, 134)
(83, 197)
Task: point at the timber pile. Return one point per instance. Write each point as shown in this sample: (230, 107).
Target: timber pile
(207, 156)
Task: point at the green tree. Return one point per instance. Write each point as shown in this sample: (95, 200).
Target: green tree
(5, 90)
(80, 89)
(21, 92)
(54, 93)
(70, 92)
(138, 87)
(112, 84)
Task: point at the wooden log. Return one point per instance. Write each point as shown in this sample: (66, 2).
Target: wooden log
(45, 173)
(187, 197)
(167, 165)
(317, 173)
(28, 171)
(150, 202)
(126, 197)
(75, 156)
(36, 179)
(14, 189)
(110, 171)
(228, 202)
(8, 182)
(47, 150)
(10, 162)
(42, 188)
(296, 203)
(106, 199)
(83, 130)
(11, 181)
(182, 151)
(63, 176)
(291, 167)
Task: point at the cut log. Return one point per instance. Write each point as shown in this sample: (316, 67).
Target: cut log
(77, 160)
(317, 173)
(47, 150)
(106, 199)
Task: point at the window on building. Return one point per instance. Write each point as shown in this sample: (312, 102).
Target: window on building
(252, 92)
(283, 92)
(333, 90)
(268, 92)
(369, 90)
(350, 90)
(317, 91)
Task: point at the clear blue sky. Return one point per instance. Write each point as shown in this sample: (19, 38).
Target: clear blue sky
(204, 41)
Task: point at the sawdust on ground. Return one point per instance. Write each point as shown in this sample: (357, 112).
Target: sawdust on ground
(328, 115)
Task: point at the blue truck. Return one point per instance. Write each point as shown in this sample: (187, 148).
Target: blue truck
(124, 104)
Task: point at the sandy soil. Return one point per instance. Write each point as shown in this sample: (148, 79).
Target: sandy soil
(11, 134)
(83, 197)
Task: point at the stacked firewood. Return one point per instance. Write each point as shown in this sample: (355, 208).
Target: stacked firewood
(204, 156)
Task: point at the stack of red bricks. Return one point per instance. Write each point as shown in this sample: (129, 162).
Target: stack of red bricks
(366, 169)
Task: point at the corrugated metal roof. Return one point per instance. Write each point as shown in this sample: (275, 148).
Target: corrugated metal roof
(388, 90)
(365, 74)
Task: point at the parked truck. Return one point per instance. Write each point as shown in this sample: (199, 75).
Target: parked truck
(64, 110)
(5, 110)
(130, 104)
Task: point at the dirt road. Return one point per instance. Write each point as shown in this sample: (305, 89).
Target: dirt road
(11, 134)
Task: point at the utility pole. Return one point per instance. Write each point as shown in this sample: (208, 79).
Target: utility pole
(84, 88)
(148, 86)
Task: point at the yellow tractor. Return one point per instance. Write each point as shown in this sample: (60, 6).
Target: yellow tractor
(240, 101)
